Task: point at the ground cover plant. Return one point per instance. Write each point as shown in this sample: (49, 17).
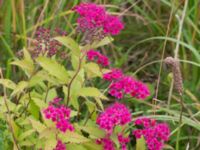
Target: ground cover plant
(71, 77)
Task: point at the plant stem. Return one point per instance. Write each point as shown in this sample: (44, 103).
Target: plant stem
(180, 123)
(75, 75)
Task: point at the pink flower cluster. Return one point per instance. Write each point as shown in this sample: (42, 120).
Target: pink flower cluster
(116, 114)
(97, 57)
(154, 133)
(60, 146)
(107, 143)
(123, 141)
(122, 84)
(60, 115)
(93, 16)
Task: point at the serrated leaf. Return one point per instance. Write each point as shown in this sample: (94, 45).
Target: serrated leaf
(75, 147)
(39, 102)
(99, 102)
(25, 134)
(140, 144)
(70, 43)
(33, 109)
(50, 143)
(94, 132)
(92, 146)
(25, 65)
(20, 87)
(91, 92)
(73, 137)
(92, 70)
(96, 44)
(38, 126)
(53, 68)
(14, 127)
(8, 83)
(27, 55)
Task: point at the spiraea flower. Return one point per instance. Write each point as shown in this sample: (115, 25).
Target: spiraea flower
(123, 141)
(107, 143)
(154, 133)
(95, 22)
(97, 57)
(60, 115)
(60, 146)
(45, 44)
(122, 84)
(116, 114)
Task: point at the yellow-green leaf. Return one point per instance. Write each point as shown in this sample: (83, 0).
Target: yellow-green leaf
(140, 144)
(97, 44)
(91, 92)
(94, 132)
(75, 147)
(20, 87)
(38, 126)
(8, 83)
(25, 134)
(70, 43)
(53, 68)
(92, 146)
(73, 137)
(25, 64)
(92, 70)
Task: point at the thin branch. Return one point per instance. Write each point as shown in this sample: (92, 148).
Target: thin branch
(73, 78)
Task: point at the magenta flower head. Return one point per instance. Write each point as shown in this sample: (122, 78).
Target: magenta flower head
(116, 114)
(60, 146)
(95, 22)
(60, 115)
(154, 133)
(97, 57)
(122, 84)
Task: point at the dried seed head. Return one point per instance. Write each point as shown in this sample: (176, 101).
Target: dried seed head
(175, 66)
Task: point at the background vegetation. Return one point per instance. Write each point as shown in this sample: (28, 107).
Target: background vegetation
(154, 29)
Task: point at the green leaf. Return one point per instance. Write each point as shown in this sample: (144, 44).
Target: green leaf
(50, 143)
(97, 44)
(20, 87)
(92, 146)
(73, 137)
(34, 109)
(140, 144)
(8, 83)
(39, 102)
(53, 68)
(27, 55)
(91, 92)
(25, 65)
(38, 126)
(14, 127)
(75, 147)
(92, 70)
(94, 132)
(25, 134)
(70, 43)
